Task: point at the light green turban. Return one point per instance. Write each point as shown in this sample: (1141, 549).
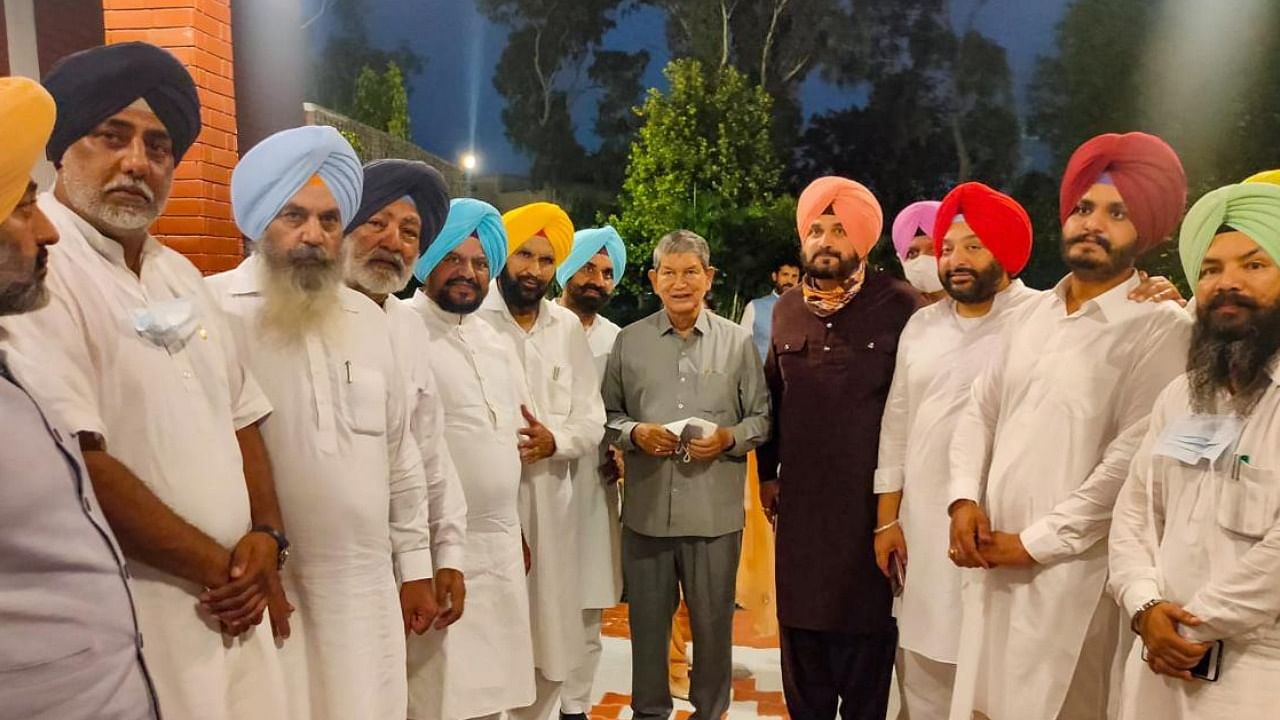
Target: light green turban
(1253, 208)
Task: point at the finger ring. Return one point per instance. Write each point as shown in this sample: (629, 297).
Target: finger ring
(951, 552)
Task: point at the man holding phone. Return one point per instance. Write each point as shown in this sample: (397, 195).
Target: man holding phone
(1195, 538)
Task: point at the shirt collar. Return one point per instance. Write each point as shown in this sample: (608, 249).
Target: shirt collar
(432, 311)
(103, 245)
(1112, 304)
(494, 302)
(702, 325)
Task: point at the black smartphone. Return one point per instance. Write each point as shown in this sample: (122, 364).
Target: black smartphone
(1210, 666)
(897, 573)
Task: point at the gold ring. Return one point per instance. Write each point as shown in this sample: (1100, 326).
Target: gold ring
(951, 552)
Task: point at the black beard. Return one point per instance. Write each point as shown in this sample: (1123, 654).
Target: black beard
(985, 285)
(589, 304)
(1232, 357)
(460, 308)
(779, 289)
(1118, 259)
(517, 297)
(843, 271)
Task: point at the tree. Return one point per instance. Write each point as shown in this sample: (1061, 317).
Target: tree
(703, 160)
(347, 51)
(381, 100)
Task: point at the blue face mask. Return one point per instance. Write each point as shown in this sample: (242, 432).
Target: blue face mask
(1193, 438)
(167, 323)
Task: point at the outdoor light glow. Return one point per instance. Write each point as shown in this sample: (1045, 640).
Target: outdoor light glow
(469, 161)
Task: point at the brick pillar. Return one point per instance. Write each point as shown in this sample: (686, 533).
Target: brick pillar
(197, 222)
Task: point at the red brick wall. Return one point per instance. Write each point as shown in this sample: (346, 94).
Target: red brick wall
(4, 43)
(197, 221)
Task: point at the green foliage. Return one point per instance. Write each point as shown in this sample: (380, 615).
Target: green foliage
(381, 100)
(356, 143)
(332, 81)
(703, 160)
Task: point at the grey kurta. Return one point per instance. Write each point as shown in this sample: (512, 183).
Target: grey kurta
(656, 376)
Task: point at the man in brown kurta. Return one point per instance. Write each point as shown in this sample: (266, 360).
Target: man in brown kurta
(829, 368)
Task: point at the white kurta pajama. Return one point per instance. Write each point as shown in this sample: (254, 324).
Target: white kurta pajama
(564, 387)
(446, 502)
(1205, 536)
(483, 664)
(599, 543)
(170, 415)
(1044, 444)
(352, 491)
(940, 355)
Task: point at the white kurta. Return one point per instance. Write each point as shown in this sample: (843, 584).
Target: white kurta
(446, 502)
(1202, 538)
(352, 491)
(1044, 445)
(483, 664)
(564, 390)
(596, 500)
(171, 417)
(940, 355)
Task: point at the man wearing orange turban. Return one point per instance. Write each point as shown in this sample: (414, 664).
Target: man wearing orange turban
(565, 422)
(1043, 446)
(830, 363)
(71, 645)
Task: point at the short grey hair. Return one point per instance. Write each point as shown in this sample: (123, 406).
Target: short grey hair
(678, 242)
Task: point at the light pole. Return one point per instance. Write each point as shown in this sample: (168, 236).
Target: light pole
(469, 162)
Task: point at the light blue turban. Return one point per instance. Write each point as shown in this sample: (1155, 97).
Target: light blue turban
(586, 243)
(278, 167)
(467, 217)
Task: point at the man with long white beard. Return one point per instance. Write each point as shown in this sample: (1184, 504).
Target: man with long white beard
(136, 358)
(565, 422)
(1195, 543)
(401, 211)
(350, 478)
(589, 275)
(482, 665)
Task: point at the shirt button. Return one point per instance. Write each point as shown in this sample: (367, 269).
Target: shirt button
(826, 348)
(828, 326)
(680, 406)
(681, 378)
(187, 374)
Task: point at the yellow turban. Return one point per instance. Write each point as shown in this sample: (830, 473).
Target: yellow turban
(26, 119)
(537, 218)
(1266, 176)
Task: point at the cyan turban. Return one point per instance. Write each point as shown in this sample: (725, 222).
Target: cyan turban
(588, 242)
(467, 217)
(278, 167)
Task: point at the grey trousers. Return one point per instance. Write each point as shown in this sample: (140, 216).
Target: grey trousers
(656, 569)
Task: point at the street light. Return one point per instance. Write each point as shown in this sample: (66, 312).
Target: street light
(469, 161)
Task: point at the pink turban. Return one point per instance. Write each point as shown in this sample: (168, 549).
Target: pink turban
(915, 219)
(1145, 170)
(854, 205)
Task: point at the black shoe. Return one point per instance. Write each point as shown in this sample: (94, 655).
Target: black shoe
(575, 716)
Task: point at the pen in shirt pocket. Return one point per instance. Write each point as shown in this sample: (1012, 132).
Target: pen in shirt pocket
(1235, 468)
(348, 364)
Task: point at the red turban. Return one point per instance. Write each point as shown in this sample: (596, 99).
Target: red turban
(1145, 170)
(855, 206)
(997, 219)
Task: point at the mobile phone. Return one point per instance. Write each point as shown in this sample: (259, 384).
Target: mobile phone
(897, 573)
(1210, 666)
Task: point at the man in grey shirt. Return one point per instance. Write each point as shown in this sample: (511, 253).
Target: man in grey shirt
(682, 512)
(69, 643)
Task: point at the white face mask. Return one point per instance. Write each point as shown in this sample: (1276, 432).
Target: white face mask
(167, 323)
(922, 273)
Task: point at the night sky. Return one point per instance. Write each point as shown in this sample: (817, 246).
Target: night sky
(461, 48)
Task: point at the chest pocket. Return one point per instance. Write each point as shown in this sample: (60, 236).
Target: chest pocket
(364, 396)
(560, 391)
(718, 396)
(1250, 504)
(789, 353)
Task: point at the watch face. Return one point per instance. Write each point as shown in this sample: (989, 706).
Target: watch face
(282, 559)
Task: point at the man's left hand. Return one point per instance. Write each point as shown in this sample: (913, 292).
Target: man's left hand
(451, 596)
(712, 446)
(418, 605)
(536, 441)
(252, 581)
(1156, 289)
(1006, 550)
(614, 466)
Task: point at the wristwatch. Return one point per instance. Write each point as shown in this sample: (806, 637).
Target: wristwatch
(282, 543)
(1137, 617)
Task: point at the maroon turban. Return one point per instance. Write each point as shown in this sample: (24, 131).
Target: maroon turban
(997, 219)
(1146, 172)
